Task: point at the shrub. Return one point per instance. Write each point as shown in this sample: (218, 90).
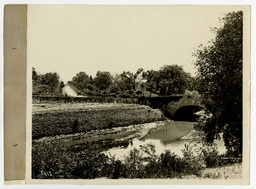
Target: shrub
(133, 164)
(193, 159)
(90, 165)
(50, 161)
(170, 165)
(211, 157)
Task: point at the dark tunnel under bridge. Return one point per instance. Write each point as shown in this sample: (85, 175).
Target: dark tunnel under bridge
(187, 113)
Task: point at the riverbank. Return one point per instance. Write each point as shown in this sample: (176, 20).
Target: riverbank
(101, 140)
(63, 119)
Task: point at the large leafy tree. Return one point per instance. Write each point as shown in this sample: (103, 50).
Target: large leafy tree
(103, 80)
(152, 78)
(220, 73)
(50, 79)
(173, 80)
(81, 81)
(170, 79)
(35, 76)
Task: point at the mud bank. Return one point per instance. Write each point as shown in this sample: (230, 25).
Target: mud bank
(63, 119)
(101, 140)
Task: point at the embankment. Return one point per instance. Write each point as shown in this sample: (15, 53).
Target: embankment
(59, 119)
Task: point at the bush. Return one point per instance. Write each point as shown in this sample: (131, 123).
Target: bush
(90, 165)
(133, 165)
(171, 165)
(51, 161)
(211, 156)
(193, 159)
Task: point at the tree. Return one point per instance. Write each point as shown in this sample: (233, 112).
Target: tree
(152, 78)
(50, 79)
(81, 81)
(220, 72)
(35, 76)
(173, 80)
(192, 83)
(103, 80)
(116, 85)
(129, 79)
(135, 76)
(61, 85)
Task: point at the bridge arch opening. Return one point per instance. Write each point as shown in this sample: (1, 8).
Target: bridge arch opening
(187, 113)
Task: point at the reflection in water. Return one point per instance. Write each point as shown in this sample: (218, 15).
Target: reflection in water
(168, 137)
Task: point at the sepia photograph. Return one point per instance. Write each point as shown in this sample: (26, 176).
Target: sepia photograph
(138, 92)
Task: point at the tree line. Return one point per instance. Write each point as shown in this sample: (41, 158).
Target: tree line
(168, 80)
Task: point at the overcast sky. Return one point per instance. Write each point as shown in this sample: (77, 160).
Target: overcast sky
(68, 39)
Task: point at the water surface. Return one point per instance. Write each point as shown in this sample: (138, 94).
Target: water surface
(172, 136)
(167, 137)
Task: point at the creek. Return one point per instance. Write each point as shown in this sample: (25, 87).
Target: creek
(171, 136)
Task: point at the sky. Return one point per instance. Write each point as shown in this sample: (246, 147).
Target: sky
(68, 39)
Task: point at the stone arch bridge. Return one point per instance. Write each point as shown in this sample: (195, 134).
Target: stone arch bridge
(178, 107)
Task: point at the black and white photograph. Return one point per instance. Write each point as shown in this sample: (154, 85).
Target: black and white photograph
(138, 92)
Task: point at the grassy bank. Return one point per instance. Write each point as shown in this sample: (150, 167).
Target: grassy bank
(59, 119)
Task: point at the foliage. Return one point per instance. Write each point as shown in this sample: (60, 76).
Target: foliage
(133, 164)
(211, 156)
(128, 80)
(170, 79)
(51, 161)
(192, 83)
(38, 88)
(220, 73)
(81, 81)
(103, 80)
(45, 83)
(35, 76)
(61, 84)
(70, 121)
(193, 158)
(152, 78)
(173, 80)
(89, 165)
(50, 79)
